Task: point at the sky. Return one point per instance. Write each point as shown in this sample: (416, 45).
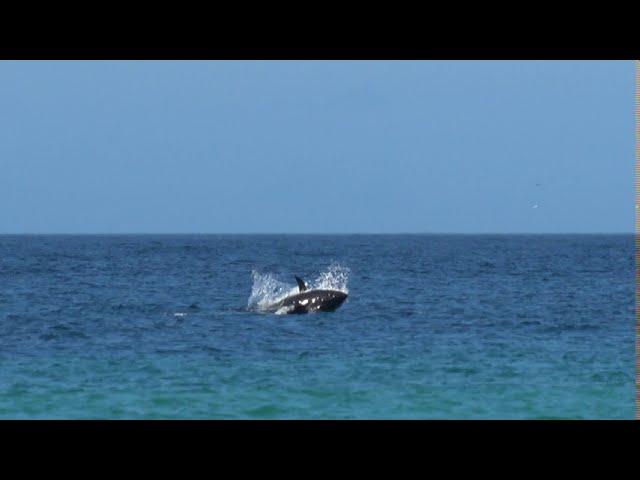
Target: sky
(317, 147)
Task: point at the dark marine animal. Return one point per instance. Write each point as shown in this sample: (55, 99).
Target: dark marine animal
(306, 300)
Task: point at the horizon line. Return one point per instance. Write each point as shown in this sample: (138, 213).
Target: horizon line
(307, 233)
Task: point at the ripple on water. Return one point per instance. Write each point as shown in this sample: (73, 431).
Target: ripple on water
(436, 326)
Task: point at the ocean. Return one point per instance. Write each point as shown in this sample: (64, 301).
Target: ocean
(434, 327)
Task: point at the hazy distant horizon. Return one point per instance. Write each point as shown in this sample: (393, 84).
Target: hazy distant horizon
(302, 233)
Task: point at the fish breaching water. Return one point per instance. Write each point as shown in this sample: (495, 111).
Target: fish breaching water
(268, 295)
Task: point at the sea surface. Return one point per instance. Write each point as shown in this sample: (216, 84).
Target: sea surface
(435, 327)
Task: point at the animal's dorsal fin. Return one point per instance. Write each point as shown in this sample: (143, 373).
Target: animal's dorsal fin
(301, 285)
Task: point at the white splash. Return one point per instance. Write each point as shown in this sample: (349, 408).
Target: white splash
(266, 290)
(336, 277)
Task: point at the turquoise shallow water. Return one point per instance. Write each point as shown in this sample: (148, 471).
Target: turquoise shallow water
(436, 326)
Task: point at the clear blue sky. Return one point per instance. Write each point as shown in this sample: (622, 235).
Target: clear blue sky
(301, 147)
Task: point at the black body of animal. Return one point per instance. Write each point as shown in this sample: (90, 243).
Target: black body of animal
(311, 300)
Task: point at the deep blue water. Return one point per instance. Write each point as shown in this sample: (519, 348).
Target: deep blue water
(436, 326)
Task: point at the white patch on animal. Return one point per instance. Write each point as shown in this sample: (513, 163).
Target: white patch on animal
(284, 310)
(304, 302)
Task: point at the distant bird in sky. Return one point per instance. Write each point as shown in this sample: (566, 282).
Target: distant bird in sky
(536, 205)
